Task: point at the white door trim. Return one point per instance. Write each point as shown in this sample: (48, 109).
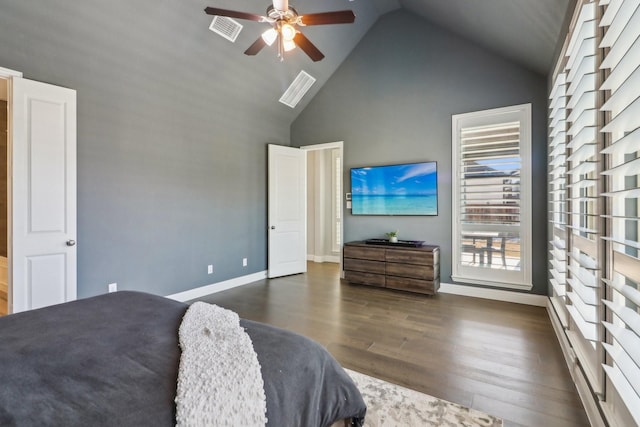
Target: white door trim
(323, 146)
(6, 73)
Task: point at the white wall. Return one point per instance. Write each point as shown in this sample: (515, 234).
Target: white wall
(319, 216)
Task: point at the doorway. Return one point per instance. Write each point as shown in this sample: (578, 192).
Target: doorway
(324, 202)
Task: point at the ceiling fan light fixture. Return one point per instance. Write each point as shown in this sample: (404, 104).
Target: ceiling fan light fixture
(285, 21)
(288, 45)
(288, 32)
(270, 36)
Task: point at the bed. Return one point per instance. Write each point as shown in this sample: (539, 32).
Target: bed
(112, 360)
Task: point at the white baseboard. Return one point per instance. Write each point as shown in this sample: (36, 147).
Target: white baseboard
(324, 258)
(494, 294)
(218, 287)
(577, 375)
(565, 346)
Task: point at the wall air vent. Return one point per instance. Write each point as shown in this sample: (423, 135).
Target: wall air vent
(297, 89)
(226, 27)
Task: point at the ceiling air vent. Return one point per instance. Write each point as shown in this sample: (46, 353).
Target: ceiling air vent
(226, 27)
(297, 89)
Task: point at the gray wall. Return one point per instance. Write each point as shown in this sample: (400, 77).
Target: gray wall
(173, 122)
(391, 101)
(171, 149)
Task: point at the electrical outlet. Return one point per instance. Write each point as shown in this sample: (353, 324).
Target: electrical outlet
(244, 262)
(209, 269)
(113, 287)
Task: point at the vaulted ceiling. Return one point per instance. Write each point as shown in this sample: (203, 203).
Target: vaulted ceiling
(523, 31)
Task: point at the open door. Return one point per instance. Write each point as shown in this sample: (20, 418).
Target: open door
(42, 174)
(287, 208)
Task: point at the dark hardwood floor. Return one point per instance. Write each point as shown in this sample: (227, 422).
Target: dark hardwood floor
(493, 356)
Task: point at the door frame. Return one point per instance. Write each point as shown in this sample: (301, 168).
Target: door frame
(7, 74)
(329, 146)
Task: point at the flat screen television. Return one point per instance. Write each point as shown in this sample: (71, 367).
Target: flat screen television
(404, 189)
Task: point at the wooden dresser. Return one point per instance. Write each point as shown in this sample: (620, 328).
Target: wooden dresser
(415, 269)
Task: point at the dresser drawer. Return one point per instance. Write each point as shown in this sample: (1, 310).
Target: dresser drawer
(364, 265)
(413, 285)
(409, 257)
(365, 278)
(362, 252)
(425, 272)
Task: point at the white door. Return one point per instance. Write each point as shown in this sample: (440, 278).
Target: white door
(42, 172)
(287, 211)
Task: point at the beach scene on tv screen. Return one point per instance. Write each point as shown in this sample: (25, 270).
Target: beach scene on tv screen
(409, 189)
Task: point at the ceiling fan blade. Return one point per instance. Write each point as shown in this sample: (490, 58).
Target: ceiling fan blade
(256, 47)
(235, 14)
(309, 48)
(325, 18)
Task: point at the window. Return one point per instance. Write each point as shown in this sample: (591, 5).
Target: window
(492, 197)
(621, 171)
(599, 71)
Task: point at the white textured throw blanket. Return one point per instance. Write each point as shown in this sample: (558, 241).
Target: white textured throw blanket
(219, 381)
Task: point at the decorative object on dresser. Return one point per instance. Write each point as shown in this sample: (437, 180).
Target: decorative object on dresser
(386, 242)
(408, 268)
(393, 236)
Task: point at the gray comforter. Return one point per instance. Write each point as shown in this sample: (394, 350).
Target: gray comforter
(112, 360)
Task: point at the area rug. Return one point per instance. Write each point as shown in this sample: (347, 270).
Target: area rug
(390, 405)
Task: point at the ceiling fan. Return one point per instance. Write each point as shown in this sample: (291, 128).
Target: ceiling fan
(285, 22)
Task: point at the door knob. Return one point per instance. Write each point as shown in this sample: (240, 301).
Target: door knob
(71, 242)
(273, 227)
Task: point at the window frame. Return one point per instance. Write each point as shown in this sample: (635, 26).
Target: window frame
(506, 279)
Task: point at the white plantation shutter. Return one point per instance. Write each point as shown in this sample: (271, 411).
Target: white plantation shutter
(492, 197)
(601, 75)
(621, 64)
(582, 191)
(490, 161)
(558, 196)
